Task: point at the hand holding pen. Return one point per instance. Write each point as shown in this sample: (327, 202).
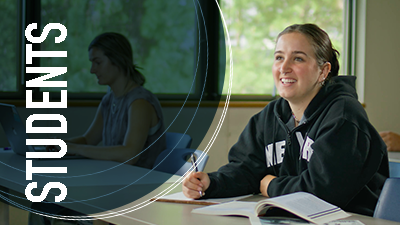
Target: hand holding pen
(195, 183)
(194, 164)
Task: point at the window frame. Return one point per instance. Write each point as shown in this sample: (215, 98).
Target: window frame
(209, 55)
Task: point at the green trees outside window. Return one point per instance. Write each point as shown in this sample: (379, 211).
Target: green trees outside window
(253, 27)
(164, 37)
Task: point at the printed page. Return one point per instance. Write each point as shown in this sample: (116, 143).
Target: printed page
(307, 206)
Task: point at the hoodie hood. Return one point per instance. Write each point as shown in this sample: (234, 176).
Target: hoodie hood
(338, 86)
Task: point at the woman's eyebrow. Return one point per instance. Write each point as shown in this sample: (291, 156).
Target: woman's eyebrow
(94, 58)
(294, 52)
(299, 52)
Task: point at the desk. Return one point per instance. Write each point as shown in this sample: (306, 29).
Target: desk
(164, 213)
(154, 213)
(180, 214)
(394, 156)
(109, 185)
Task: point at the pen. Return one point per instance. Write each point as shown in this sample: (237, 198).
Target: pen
(193, 160)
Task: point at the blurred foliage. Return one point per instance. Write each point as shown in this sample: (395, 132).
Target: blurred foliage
(8, 45)
(163, 35)
(253, 27)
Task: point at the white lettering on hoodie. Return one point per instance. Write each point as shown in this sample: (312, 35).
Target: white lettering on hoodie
(305, 151)
(280, 151)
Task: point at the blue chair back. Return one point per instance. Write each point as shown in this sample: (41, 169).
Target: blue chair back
(394, 169)
(177, 160)
(389, 201)
(178, 140)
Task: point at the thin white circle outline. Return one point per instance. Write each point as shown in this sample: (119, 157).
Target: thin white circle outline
(120, 163)
(214, 136)
(178, 182)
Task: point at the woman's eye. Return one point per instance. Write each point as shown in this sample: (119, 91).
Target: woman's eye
(278, 57)
(298, 59)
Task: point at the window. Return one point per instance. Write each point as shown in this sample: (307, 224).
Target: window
(162, 35)
(253, 27)
(8, 46)
(169, 42)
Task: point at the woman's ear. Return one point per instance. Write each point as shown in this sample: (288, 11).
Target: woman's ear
(325, 70)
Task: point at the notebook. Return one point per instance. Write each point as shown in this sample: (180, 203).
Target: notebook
(15, 131)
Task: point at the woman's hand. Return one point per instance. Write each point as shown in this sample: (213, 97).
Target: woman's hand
(71, 148)
(194, 184)
(52, 148)
(264, 184)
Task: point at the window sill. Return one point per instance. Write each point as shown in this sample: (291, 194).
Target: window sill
(164, 103)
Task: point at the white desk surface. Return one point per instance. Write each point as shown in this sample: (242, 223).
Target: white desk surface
(394, 156)
(165, 213)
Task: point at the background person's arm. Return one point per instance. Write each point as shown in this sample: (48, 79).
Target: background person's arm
(92, 136)
(392, 140)
(141, 118)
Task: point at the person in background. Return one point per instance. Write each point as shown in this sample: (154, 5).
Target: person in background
(315, 138)
(392, 140)
(129, 119)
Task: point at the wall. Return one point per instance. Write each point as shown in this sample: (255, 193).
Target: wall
(233, 124)
(382, 55)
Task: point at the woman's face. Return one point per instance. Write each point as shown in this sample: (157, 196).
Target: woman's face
(295, 69)
(105, 71)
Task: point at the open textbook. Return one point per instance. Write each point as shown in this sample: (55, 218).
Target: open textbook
(301, 204)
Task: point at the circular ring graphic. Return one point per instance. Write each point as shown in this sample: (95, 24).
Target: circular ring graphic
(175, 184)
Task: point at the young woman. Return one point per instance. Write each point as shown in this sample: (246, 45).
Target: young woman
(129, 118)
(315, 138)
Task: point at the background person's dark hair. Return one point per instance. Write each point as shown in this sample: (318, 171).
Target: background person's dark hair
(321, 43)
(118, 49)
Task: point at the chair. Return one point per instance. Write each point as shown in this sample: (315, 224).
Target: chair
(178, 140)
(177, 160)
(394, 169)
(389, 201)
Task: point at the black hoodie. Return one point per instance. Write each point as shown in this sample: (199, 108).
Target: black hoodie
(335, 153)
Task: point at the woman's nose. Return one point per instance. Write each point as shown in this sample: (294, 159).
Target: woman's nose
(285, 67)
(92, 69)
